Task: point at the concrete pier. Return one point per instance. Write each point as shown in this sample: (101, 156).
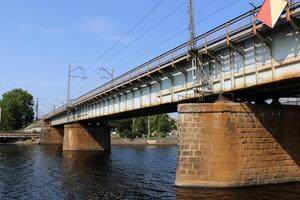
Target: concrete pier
(53, 135)
(234, 144)
(80, 137)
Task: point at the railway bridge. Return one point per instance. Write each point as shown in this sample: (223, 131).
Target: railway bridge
(228, 134)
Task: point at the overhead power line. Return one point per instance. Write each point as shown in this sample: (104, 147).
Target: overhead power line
(123, 36)
(127, 33)
(147, 31)
(217, 11)
(140, 36)
(155, 47)
(181, 32)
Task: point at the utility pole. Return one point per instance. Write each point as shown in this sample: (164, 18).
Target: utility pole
(0, 119)
(37, 109)
(111, 74)
(192, 36)
(200, 75)
(69, 85)
(149, 128)
(71, 75)
(133, 124)
(192, 30)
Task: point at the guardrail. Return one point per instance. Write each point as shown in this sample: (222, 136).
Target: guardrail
(18, 134)
(230, 28)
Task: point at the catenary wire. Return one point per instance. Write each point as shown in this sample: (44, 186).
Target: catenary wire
(181, 32)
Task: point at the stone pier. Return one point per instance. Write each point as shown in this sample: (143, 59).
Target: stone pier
(53, 135)
(83, 137)
(235, 144)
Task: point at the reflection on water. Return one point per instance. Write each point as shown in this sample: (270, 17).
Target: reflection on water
(267, 192)
(45, 172)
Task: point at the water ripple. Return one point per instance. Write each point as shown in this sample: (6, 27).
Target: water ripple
(45, 172)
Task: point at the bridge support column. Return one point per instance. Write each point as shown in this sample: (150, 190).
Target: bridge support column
(232, 144)
(79, 137)
(53, 135)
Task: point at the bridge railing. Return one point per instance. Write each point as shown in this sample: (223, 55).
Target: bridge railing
(231, 27)
(17, 133)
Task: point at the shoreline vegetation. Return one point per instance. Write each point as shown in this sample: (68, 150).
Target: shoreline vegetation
(167, 141)
(156, 141)
(17, 113)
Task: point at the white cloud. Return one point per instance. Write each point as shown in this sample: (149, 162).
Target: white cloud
(100, 26)
(97, 25)
(103, 27)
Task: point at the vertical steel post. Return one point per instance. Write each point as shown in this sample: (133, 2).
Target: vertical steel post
(69, 84)
(37, 109)
(192, 31)
(70, 75)
(0, 119)
(68, 92)
(133, 125)
(149, 131)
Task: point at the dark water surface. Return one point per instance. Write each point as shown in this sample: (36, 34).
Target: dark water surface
(45, 172)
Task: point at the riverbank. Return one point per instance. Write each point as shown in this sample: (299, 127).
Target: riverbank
(144, 142)
(25, 138)
(19, 137)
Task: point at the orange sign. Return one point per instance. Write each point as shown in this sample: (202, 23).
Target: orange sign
(270, 11)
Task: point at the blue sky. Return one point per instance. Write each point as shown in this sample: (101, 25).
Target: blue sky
(40, 38)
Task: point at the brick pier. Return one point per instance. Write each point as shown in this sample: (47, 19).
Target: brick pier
(79, 137)
(53, 135)
(233, 144)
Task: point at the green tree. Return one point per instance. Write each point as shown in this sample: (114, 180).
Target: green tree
(17, 109)
(137, 127)
(162, 124)
(123, 127)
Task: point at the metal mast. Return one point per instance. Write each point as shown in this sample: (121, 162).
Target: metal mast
(192, 30)
(200, 76)
(0, 118)
(68, 93)
(69, 85)
(111, 74)
(37, 109)
(70, 75)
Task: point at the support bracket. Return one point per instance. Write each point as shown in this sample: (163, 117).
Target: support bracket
(290, 20)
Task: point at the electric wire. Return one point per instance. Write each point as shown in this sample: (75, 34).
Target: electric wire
(136, 39)
(140, 36)
(127, 33)
(145, 32)
(180, 32)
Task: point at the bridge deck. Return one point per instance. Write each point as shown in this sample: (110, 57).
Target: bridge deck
(265, 68)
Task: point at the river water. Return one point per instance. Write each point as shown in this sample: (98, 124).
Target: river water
(45, 172)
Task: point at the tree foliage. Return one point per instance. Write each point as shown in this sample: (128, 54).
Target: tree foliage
(121, 125)
(138, 127)
(17, 109)
(162, 124)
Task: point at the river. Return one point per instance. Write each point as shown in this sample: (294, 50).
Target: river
(45, 172)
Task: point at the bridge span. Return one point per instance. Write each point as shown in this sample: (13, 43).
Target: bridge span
(221, 143)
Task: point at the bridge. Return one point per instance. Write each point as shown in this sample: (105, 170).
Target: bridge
(14, 136)
(228, 135)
